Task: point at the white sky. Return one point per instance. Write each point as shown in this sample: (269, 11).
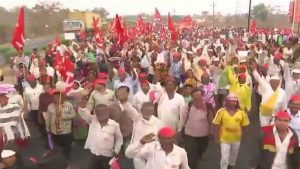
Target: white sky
(183, 7)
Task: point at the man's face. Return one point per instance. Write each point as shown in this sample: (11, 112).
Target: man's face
(102, 113)
(296, 76)
(10, 161)
(46, 88)
(170, 87)
(32, 83)
(122, 95)
(166, 142)
(145, 87)
(99, 87)
(147, 111)
(3, 99)
(282, 123)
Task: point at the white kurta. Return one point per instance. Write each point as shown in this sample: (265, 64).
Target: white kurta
(169, 110)
(295, 123)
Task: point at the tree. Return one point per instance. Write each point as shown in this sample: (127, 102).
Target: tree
(205, 13)
(101, 11)
(261, 11)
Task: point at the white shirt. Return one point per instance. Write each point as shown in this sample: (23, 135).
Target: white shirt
(268, 92)
(102, 140)
(156, 158)
(169, 110)
(142, 127)
(139, 98)
(32, 96)
(295, 123)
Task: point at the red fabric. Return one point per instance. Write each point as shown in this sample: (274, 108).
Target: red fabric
(122, 70)
(18, 40)
(82, 34)
(57, 40)
(167, 132)
(115, 164)
(121, 31)
(100, 81)
(295, 98)
(283, 115)
(243, 76)
(157, 15)
(278, 55)
(102, 75)
(142, 75)
(266, 66)
(172, 28)
(31, 77)
(253, 26)
(297, 13)
(187, 22)
(145, 82)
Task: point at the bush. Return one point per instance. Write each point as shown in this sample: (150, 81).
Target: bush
(8, 51)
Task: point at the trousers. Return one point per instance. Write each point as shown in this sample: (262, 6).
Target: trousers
(229, 154)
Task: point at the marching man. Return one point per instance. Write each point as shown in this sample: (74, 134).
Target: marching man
(162, 154)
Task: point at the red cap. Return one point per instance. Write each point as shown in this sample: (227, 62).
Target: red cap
(295, 99)
(266, 66)
(102, 75)
(243, 76)
(122, 70)
(31, 77)
(199, 50)
(283, 115)
(167, 132)
(145, 82)
(243, 67)
(278, 55)
(54, 91)
(100, 81)
(177, 55)
(203, 62)
(170, 79)
(142, 75)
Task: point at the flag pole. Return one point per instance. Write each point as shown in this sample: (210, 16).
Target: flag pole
(249, 14)
(294, 14)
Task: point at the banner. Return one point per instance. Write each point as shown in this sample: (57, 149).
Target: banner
(297, 13)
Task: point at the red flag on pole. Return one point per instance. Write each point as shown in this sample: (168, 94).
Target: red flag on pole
(253, 26)
(172, 28)
(121, 31)
(157, 15)
(18, 40)
(82, 35)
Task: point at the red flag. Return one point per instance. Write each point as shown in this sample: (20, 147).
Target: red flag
(95, 24)
(82, 34)
(121, 31)
(253, 26)
(119, 28)
(57, 40)
(157, 15)
(18, 40)
(172, 28)
(187, 22)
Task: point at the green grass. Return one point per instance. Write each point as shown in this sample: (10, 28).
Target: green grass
(8, 51)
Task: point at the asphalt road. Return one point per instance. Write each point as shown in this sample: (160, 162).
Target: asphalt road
(210, 160)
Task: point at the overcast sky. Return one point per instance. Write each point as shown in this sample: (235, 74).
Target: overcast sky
(182, 7)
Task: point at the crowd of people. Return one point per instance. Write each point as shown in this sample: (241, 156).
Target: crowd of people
(150, 103)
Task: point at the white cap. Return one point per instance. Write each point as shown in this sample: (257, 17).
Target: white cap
(189, 52)
(7, 153)
(274, 78)
(296, 71)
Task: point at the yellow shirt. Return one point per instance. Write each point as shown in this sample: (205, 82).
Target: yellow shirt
(231, 125)
(243, 91)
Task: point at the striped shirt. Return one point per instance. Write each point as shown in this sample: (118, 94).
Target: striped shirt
(12, 123)
(59, 121)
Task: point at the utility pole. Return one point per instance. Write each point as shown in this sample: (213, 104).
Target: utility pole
(213, 6)
(249, 14)
(294, 17)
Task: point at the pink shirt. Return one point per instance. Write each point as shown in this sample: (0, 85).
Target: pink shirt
(197, 124)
